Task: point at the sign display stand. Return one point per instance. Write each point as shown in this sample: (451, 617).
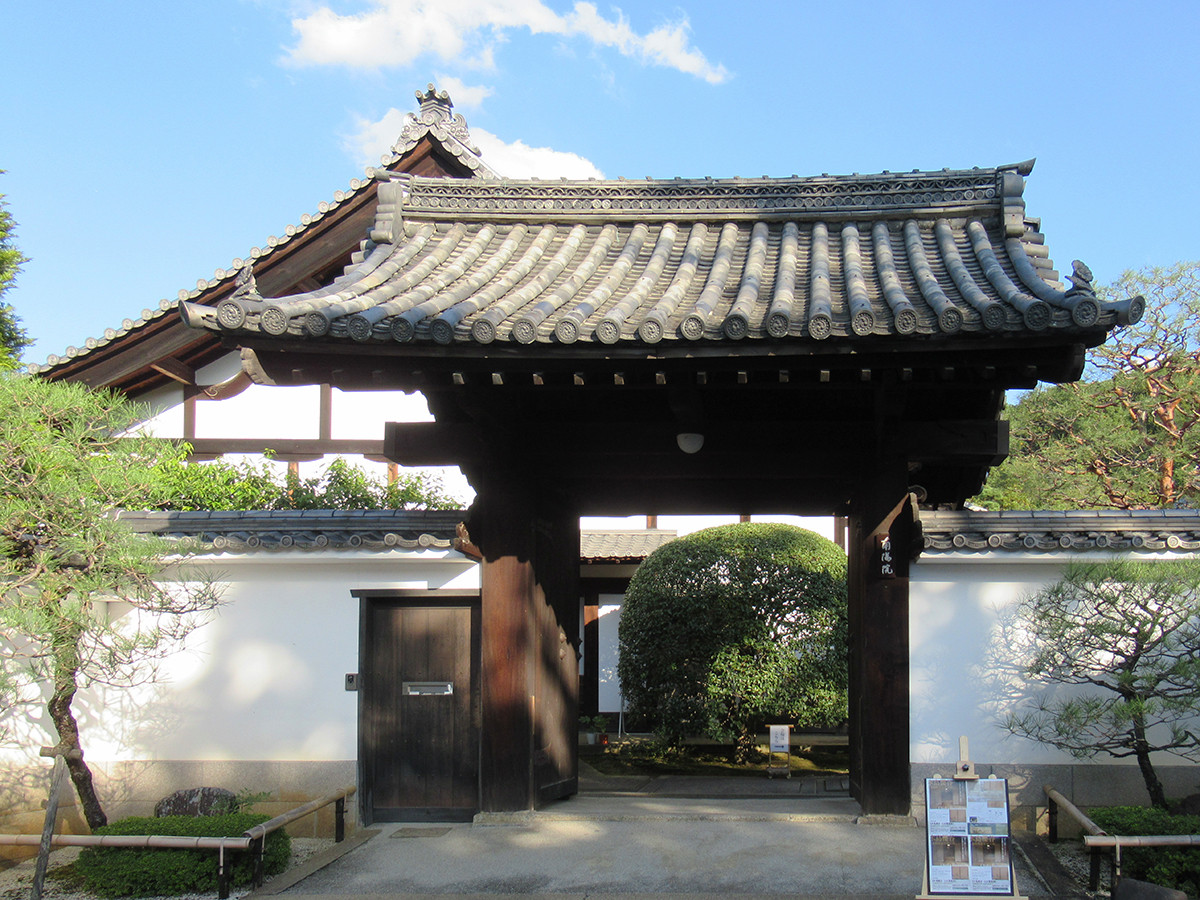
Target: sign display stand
(781, 742)
(968, 839)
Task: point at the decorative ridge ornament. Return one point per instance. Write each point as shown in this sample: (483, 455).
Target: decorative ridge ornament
(1081, 279)
(437, 119)
(436, 109)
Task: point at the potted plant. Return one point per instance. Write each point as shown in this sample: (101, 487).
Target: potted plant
(600, 723)
(586, 731)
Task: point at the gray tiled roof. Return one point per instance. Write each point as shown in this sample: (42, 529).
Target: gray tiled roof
(243, 531)
(972, 531)
(260, 530)
(621, 546)
(622, 262)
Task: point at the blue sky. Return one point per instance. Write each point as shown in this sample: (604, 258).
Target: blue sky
(148, 144)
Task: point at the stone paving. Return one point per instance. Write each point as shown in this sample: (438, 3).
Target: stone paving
(694, 837)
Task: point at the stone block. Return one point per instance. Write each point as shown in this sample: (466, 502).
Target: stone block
(201, 801)
(1132, 889)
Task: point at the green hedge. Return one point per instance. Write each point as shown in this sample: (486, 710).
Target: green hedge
(729, 628)
(136, 872)
(1174, 867)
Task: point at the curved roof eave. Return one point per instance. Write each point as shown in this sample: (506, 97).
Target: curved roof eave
(634, 263)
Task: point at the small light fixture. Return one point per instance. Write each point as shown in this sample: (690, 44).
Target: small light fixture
(689, 441)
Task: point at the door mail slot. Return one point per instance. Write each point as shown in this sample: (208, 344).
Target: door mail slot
(428, 688)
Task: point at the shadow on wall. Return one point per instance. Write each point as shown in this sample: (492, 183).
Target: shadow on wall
(968, 657)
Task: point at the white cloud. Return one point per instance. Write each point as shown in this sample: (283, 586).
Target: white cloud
(399, 32)
(465, 96)
(373, 140)
(519, 160)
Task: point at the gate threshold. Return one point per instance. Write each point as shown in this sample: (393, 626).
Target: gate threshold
(632, 807)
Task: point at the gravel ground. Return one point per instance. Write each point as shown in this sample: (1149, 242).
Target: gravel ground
(16, 882)
(1076, 859)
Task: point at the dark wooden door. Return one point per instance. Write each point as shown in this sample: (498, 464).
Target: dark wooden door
(419, 710)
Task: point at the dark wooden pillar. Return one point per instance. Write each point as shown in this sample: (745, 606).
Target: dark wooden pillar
(529, 625)
(556, 672)
(880, 530)
(589, 679)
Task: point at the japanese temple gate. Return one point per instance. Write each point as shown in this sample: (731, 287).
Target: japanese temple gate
(832, 345)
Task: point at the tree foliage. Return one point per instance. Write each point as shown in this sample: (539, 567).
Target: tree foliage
(13, 338)
(1128, 436)
(730, 626)
(1124, 637)
(69, 461)
(340, 485)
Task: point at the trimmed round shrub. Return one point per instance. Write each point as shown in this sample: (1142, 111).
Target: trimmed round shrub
(137, 872)
(731, 627)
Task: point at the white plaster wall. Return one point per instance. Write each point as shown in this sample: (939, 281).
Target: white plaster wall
(607, 652)
(166, 411)
(264, 678)
(967, 656)
(261, 411)
(963, 676)
(361, 415)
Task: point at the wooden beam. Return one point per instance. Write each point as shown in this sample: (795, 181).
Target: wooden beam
(226, 389)
(961, 361)
(175, 370)
(704, 496)
(788, 443)
(299, 448)
(325, 417)
(432, 443)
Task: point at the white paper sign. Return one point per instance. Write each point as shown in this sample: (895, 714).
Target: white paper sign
(780, 741)
(967, 827)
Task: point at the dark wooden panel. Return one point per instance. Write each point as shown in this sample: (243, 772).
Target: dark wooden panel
(420, 752)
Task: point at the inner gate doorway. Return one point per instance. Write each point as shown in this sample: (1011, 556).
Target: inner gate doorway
(812, 346)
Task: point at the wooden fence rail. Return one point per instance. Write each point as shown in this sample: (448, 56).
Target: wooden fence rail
(253, 839)
(1098, 841)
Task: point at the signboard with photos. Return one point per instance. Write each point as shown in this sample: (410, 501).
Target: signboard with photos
(968, 840)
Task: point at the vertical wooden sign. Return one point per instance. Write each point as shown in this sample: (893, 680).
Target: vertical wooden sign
(885, 561)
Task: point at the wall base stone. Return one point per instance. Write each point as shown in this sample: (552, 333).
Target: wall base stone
(133, 788)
